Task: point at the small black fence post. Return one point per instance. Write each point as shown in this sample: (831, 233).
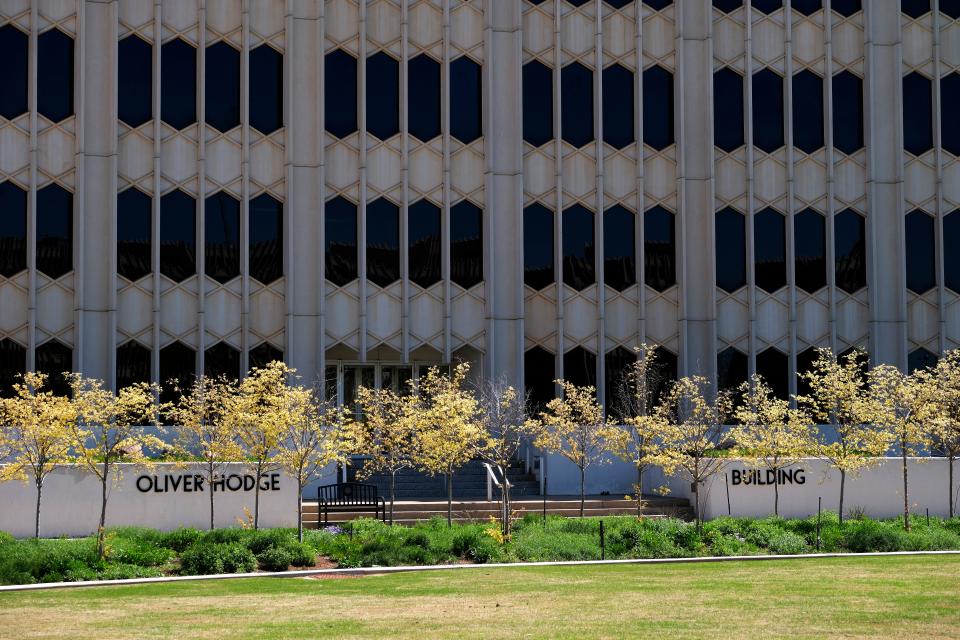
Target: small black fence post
(928, 516)
(351, 530)
(819, 503)
(603, 546)
(544, 501)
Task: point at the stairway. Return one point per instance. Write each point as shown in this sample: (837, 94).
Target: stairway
(470, 481)
(408, 512)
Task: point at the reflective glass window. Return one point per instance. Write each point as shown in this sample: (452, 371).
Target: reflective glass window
(538, 375)
(727, 5)
(424, 249)
(847, 112)
(263, 354)
(222, 77)
(134, 234)
(659, 248)
(423, 116)
(579, 270)
(917, 114)
(222, 237)
(383, 95)
(657, 107)
(340, 93)
(54, 75)
(580, 367)
(807, 111)
(340, 237)
(731, 250)
(731, 369)
(221, 360)
(466, 100)
(921, 359)
(13, 52)
(178, 236)
(133, 364)
(921, 252)
(951, 258)
(13, 363)
(846, 7)
(810, 250)
(576, 95)
(769, 250)
(13, 229)
(134, 81)
(618, 119)
(850, 251)
(950, 126)
(619, 248)
(55, 359)
(774, 367)
(807, 7)
(766, 6)
(266, 239)
(537, 103)
(727, 109)
(767, 110)
(54, 231)
(383, 242)
(538, 246)
(178, 368)
(178, 84)
(266, 89)
(466, 244)
(915, 8)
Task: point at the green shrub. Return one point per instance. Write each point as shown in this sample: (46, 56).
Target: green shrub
(181, 539)
(260, 541)
(205, 558)
(137, 552)
(786, 543)
(418, 538)
(656, 544)
(225, 536)
(726, 545)
(301, 555)
(865, 536)
(274, 559)
(126, 572)
(6, 538)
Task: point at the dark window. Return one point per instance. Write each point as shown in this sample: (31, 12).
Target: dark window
(266, 239)
(340, 93)
(618, 125)
(580, 367)
(466, 100)
(656, 5)
(921, 252)
(727, 5)
(383, 242)
(13, 363)
(846, 7)
(769, 250)
(950, 126)
(423, 115)
(847, 112)
(917, 114)
(774, 367)
(340, 238)
(579, 270)
(619, 248)
(423, 236)
(617, 394)
(860, 357)
(55, 359)
(850, 250)
(767, 110)
(727, 109)
(576, 102)
(538, 375)
(221, 257)
(915, 8)
(766, 6)
(54, 75)
(178, 236)
(950, 8)
(54, 231)
(13, 229)
(178, 84)
(266, 89)
(807, 7)
(921, 359)
(810, 250)
(659, 248)
(537, 103)
(221, 360)
(13, 52)
(731, 248)
(731, 369)
(383, 95)
(807, 111)
(222, 77)
(538, 246)
(134, 81)
(133, 364)
(134, 231)
(657, 107)
(805, 361)
(263, 354)
(620, 4)
(178, 368)
(466, 244)
(951, 259)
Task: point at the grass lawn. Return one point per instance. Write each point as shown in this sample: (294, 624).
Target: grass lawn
(909, 597)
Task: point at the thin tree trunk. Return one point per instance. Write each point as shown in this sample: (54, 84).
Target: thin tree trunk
(103, 514)
(582, 480)
(696, 505)
(843, 482)
(950, 487)
(639, 491)
(300, 511)
(776, 497)
(256, 498)
(450, 499)
(393, 493)
(906, 498)
(210, 487)
(36, 522)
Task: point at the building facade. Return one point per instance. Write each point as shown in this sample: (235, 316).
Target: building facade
(365, 187)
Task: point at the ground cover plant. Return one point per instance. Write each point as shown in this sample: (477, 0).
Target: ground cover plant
(132, 552)
(862, 597)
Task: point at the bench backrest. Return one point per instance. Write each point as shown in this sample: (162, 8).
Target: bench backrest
(349, 493)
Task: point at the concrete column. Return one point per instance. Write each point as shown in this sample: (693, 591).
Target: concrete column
(695, 175)
(883, 129)
(504, 217)
(96, 197)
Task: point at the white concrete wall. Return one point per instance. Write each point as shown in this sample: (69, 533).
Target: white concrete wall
(71, 501)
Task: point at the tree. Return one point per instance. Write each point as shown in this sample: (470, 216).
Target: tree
(447, 425)
(694, 431)
(642, 430)
(110, 428)
(575, 427)
(38, 433)
(204, 428)
(316, 434)
(504, 429)
(770, 434)
(260, 414)
(838, 396)
(943, 415)
(387, 434)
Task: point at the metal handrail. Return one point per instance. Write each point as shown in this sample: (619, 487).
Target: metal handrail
(492, 480)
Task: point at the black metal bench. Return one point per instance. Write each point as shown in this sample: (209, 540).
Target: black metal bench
(350, 497)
